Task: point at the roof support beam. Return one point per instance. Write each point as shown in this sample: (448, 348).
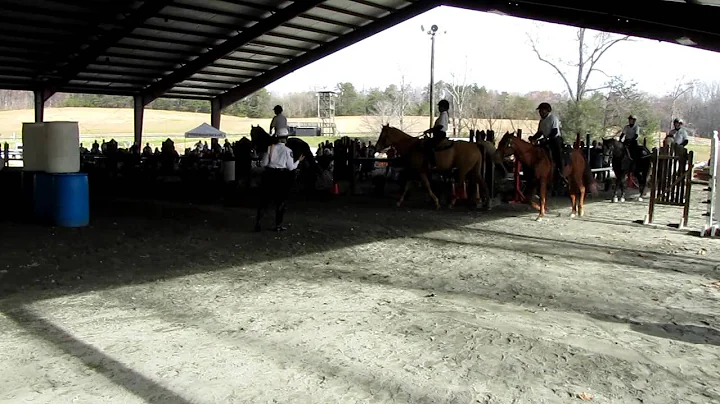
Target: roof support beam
(280, 17)
(96, 49)
(331, 47)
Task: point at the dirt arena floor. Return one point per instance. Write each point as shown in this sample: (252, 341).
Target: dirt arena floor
(360, 302)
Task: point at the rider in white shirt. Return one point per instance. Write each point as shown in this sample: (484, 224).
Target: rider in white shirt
(679, 133)
(548, 134)
(630, 135)
(439, 131)
(278, 125)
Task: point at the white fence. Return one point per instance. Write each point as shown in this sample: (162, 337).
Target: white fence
(712, 224)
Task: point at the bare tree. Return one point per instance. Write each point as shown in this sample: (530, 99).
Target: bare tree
(590, 50)
(681, 88)
(381, 114)
(460, 93)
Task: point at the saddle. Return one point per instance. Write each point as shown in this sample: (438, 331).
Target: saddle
(444, 144)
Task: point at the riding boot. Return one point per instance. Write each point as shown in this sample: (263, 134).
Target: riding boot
(258, 219)
(279, 215)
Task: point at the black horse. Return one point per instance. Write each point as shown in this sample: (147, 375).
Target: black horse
(309, 168)
(622, 164)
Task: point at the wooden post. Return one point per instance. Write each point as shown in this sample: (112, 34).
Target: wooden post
(687, 189)
(654, 187)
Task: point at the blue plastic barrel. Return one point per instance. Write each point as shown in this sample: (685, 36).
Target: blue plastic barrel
(42, 197)
(71, 200)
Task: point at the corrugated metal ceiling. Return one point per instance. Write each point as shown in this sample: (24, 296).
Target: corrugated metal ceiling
(226, 49)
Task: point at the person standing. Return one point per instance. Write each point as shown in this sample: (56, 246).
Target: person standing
(277, 177)
(278, 125)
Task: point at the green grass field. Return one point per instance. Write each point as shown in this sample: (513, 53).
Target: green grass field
(117, 123)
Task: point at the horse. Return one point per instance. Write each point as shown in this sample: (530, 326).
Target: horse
(622, 165)
(261, 140)
(580, 181)
(466, 157)
(535, 158)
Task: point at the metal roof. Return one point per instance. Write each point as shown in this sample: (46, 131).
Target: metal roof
(223, 50)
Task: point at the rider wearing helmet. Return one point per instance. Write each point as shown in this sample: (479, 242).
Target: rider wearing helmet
(679, 133)
(549, 134)
(629, 136)
(278, 125)
(439, 131)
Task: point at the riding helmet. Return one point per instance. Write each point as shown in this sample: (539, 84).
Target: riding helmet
(544, 105)
(444, 104)
(278, 109)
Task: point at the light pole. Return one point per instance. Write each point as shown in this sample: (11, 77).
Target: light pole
(432, 31)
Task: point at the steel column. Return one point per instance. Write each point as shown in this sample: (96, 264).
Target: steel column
(139, 108)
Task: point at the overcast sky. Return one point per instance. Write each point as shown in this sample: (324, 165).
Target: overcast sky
(497, 54)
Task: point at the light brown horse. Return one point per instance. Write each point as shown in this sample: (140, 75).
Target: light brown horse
(538, 160)
(580, 181)
(535, 158)
(466, 157)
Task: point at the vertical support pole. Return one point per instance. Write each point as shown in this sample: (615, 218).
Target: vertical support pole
(519, 196)
(139, 109)
(215, 110)
(432, 79)
(587, 147)
(39, 105)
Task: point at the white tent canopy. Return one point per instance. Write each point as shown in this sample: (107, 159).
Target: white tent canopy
(205, 131)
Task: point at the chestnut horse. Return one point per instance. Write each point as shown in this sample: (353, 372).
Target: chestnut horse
(580, 181)
(538, 160)
(466, 157)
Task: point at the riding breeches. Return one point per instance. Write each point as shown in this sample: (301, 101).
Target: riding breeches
(633, 148)
(556, 145)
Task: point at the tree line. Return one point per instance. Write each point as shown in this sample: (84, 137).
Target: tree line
(599, 111)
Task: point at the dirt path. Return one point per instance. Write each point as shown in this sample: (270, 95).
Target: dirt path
(360, 303)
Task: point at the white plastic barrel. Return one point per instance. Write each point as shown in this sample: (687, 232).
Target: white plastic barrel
(63, 147)
(34, 146)
(228, 171)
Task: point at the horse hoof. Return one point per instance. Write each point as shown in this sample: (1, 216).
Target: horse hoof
(615, 199)
(572, 215)
(399, 204)
(539, 219)
(622, 200)
(640, 198)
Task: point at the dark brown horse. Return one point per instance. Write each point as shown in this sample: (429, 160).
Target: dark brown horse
(466, 157)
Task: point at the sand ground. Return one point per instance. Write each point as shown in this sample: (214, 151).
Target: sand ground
(360, 302)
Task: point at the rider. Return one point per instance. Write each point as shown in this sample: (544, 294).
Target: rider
(276, 180)
(549, 131)
(439, 131)
(679, 133)
(278, 125)
(629, 136)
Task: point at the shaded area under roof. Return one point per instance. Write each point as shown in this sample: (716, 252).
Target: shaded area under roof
(224, 50)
